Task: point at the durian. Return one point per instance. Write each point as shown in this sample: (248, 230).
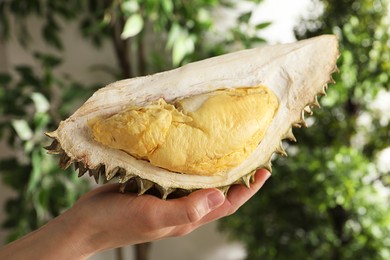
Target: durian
(207, 124)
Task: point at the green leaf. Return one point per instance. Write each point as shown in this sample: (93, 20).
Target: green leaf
(133, 26)
(173, 34)
(183, 46)
(40, 102)
(51, 36)
(167, 6)
(48, 60)
(36, 171)
(41, 120)
(245, 17)
(261, 26)
(22, 129)
(129, 7)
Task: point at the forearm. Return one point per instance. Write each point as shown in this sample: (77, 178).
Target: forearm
(58, 239)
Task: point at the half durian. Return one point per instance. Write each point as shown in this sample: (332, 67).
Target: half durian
(207, 124)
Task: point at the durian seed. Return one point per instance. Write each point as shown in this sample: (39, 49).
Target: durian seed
(143, 185)
(164, 191)
(65, 161)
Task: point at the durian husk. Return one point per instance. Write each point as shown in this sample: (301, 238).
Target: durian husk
(297, 73)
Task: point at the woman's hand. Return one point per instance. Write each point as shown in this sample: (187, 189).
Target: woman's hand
(104, 219)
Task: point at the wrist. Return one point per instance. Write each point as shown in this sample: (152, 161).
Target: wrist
(78, 237)
(61, 238)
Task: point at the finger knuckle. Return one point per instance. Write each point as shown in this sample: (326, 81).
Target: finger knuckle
(193, 214)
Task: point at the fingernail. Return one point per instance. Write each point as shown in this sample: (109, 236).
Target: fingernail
(215, 199)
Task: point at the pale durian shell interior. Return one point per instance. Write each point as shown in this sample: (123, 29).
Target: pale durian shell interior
(295, 72)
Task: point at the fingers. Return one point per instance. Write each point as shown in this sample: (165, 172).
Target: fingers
(153, 218)
(237, 196)
(190, 209)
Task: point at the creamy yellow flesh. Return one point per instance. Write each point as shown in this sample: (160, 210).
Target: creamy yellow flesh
(202, 135)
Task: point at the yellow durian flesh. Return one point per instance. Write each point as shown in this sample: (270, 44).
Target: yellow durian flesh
(202, 135)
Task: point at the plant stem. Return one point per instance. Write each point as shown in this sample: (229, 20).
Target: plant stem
(121, 47)
(142, 251)
(119, 253)
(141, 55)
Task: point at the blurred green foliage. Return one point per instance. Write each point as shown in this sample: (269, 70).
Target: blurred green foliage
(28, 110)
(329, 199)
(147, 36)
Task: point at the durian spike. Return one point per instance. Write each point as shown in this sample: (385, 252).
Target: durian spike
(302, 122)
(280, 150)
(164, 191)
(268, 165)
(297, 125)
(65, 161)
(52, 135)
(111, 173)
(224, 189)
(246, 180)
(54, 148)
(323, 91)
(82, 168)
(123, 177)
(143, 185)
(122, 187)
(315, 102)
(290, 136)
(331, 80)
(97, 172)
(308, 110)
(253, 178)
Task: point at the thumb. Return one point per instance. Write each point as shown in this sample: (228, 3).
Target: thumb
(195, 206)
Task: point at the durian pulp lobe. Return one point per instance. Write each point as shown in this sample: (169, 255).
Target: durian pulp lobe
(205, 134)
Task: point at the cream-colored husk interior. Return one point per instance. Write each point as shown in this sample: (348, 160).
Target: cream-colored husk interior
(202, 135)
